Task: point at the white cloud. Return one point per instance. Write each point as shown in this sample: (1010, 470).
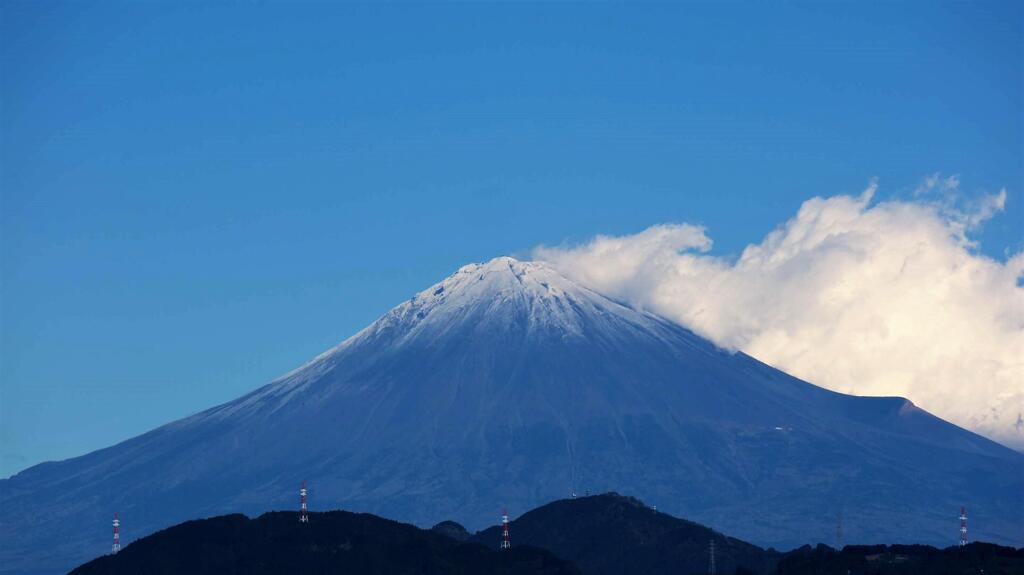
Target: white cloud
(870, 299)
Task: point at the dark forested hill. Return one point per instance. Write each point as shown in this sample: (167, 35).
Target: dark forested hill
(599, 535)
(973, 559)
(336, 542)
(610, 534)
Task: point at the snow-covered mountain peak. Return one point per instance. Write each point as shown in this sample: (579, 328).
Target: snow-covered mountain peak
(502, 275)
(501, 298)
(502, 295)
(531, 291)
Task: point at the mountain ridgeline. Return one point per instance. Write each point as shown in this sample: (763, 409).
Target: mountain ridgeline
(508, 384)
(277, 543)
(610, 534)
(600, 535)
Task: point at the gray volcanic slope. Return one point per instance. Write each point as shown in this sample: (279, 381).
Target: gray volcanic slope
(509, 385)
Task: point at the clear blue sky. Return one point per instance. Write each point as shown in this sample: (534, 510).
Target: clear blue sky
(196, 199)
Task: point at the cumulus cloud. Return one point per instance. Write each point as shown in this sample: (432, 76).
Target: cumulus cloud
(886, 298)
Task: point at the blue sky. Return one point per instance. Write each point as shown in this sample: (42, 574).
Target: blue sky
(196, 199)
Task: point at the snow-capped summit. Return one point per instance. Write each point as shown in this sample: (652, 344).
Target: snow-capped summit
(498, 297)
(508, 384)
(506, 278)
(506, 290)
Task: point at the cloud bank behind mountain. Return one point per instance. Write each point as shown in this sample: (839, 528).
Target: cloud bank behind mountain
(888, 298)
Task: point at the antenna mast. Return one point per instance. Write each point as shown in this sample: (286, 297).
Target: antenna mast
(303, 514)
(963, 526)
(506, 543)
(117, 535)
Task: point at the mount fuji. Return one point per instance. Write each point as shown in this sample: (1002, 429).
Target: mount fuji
(509, 385)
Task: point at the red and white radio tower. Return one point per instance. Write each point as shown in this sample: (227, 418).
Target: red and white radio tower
(963, 527)
(506, 543)
(117, 535)
(303, 514)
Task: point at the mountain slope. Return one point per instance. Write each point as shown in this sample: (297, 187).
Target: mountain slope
(507, 384)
